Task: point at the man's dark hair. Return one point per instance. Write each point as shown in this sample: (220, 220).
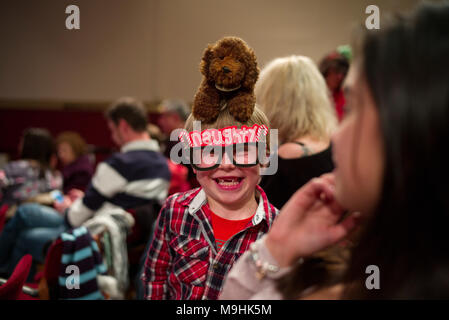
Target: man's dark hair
(129, 109)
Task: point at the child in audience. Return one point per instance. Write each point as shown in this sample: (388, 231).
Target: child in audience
(33, 173)
(202, 232)
(77, 168)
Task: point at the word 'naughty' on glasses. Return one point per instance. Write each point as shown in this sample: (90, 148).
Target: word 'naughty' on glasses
(243, 147)
(210, 147)
(224, 137)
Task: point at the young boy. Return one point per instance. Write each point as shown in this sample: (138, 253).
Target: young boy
(202, 232)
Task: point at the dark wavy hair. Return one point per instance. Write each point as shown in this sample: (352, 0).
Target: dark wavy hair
(38, 145)
(406, 67)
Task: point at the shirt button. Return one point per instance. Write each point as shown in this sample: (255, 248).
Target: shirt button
(215, 266)
(185, 248)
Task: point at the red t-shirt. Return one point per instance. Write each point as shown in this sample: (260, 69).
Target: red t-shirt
(224, 228)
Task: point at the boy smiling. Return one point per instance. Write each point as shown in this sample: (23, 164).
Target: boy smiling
(201, 233)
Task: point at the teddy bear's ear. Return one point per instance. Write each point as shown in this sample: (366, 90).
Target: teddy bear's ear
(205, 61)
(252, 71)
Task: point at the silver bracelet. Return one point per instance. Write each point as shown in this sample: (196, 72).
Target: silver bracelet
(263, 268)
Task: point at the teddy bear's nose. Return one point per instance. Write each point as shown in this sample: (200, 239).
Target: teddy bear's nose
(226, 69)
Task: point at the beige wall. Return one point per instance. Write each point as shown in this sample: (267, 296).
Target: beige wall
(151, 48)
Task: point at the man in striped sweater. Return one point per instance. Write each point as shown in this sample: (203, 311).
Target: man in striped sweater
(136, 176)
(131, 178)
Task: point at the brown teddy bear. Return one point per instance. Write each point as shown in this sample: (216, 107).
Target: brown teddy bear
(230, 72)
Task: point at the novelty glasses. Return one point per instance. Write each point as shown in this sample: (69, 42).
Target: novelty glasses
(241, 155)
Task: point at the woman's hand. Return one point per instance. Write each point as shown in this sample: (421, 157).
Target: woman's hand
(308, 222)
(69, 198)
(75, 194)
(62, 206)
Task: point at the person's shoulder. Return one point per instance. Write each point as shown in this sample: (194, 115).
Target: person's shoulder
(296, 151)
(18, 168)
(184, 197)
(17, 164)
(128, 158)
(179, 200)
(85, 163)
(143, 156)
(290, 150)
(113, 158)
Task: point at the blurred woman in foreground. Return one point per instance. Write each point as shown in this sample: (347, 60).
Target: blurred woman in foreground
(391, 160)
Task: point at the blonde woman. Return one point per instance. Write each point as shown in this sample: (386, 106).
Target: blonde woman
(293, 94)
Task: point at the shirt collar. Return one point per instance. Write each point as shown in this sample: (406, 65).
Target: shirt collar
(260, 212)
(200, 199)
(142, 144)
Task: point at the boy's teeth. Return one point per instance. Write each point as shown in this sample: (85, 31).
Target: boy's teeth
(228, 182)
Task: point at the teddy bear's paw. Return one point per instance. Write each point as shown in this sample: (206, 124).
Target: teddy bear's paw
(205, 113)
(242, 115)
(242, 107)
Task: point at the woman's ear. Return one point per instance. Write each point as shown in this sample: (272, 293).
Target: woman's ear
(123, 126)
(205, 61)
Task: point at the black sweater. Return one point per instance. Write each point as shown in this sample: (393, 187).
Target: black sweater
(293, 174)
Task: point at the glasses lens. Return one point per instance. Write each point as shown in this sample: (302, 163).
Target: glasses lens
(245, 154)
(206, 157)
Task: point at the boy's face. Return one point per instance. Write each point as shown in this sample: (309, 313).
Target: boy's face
(229, 185)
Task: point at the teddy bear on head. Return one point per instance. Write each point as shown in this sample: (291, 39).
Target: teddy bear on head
(230, 71)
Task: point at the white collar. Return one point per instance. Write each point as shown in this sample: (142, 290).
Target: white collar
(200, 199)
(141, 144)
(197, 202)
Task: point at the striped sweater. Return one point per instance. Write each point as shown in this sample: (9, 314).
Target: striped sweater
(81, 263)
(136, 176)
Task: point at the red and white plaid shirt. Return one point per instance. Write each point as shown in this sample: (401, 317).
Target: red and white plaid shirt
(183, 261)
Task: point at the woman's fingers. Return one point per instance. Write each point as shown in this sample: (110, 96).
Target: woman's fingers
(75, 194)
(342, 229)
(306, 197)
(309, 222)
(329, 178)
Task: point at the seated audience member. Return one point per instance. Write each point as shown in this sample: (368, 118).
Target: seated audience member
(77, 168)
(292, 93)
(391, 177)
(34, 173)
(200, 233)
(174, 113)
(156, 134)
(334, 68)
(136, 176)
(179, 173)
